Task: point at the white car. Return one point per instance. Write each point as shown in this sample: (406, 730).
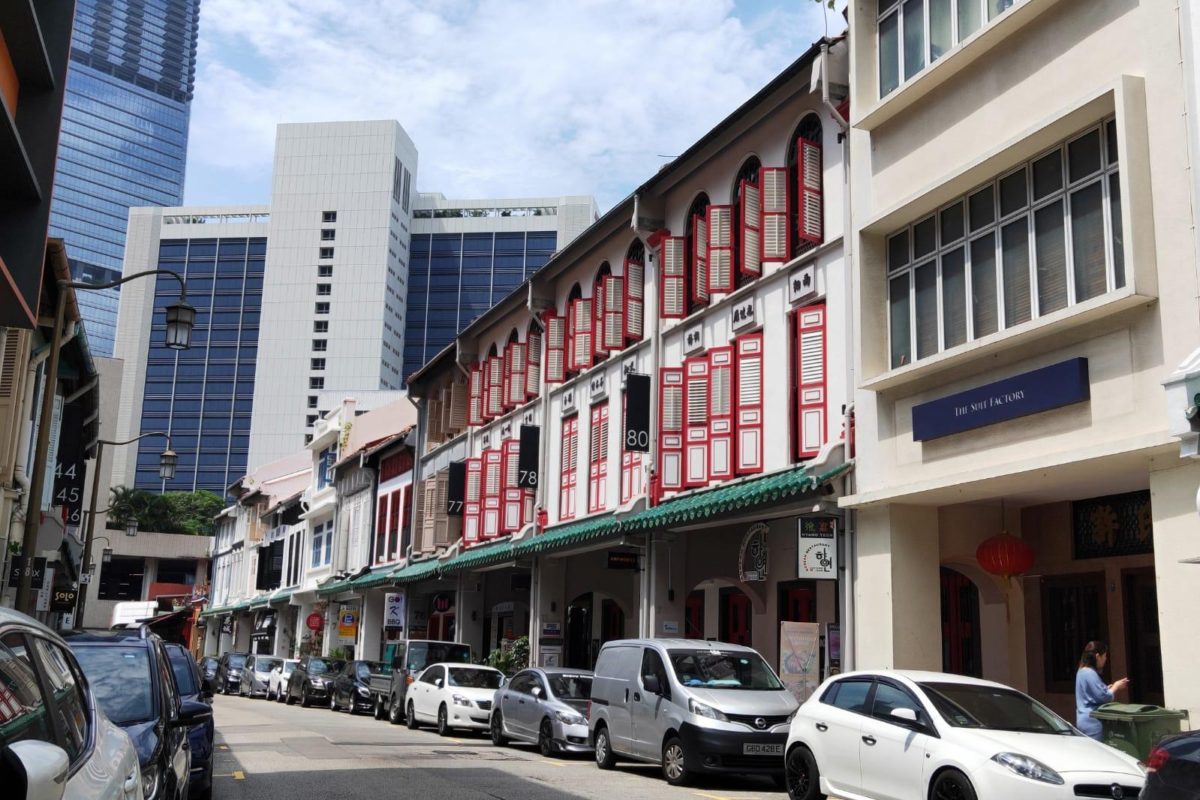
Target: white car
(902, 735)
(62, 740)
(277, 681)
(453, 696)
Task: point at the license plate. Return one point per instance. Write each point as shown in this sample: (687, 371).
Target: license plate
(762, 749)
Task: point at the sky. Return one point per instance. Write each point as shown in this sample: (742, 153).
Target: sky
(503, 98)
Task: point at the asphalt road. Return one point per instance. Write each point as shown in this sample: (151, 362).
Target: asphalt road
(269, 751)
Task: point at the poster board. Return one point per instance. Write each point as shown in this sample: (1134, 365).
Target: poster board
(800, 658)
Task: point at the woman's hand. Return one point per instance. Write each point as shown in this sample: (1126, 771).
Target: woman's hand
(1117, 686)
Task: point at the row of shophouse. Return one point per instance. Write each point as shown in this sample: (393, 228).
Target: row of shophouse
(891, 352)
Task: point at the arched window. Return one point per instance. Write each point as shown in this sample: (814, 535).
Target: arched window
(514, 371)
(493, 384)
(696, 250)
(601, 303)
(747, 226)
(533, 358)
(579, 330)
(635, 292)
(806, 217)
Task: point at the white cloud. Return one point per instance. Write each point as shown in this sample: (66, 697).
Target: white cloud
(501, 97)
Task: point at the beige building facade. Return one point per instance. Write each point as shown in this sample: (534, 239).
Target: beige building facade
(1025, 280)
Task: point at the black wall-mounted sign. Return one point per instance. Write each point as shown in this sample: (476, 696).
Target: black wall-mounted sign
(456, 488)
(1042, 389)
(62, 601)
(1112, 526)
(69, 469)
(620, 559)
(636, 435)
(527, 457)
(20, 564)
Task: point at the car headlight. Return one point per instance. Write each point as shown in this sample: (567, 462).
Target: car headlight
(149, 781)
(792, 715)
(569, 718)
(460, 700)
(362, 692)
(235, 673)
(1028, 767)
(317, 682)
(704, 710)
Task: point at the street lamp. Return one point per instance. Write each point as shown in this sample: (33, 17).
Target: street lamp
(106, 554)
(131, 527)
(166, 464)
(181, 317)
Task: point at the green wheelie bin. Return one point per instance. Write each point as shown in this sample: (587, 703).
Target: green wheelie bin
(1135, 729)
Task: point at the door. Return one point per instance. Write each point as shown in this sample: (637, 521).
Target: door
(579, 633)
(246, 687)
(961, 647)
(1143, 651)
(516, 704)
(425, 692)
(645, 708)
(798, 601)
(836, 734)
(736, 617)
(891, 755)
(612, 621)
(693, 615)
(1074, 612)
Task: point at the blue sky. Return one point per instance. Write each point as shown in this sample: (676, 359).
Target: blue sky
(502, 97)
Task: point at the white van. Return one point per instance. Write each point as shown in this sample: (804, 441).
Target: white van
(692, 706)
(132, 612)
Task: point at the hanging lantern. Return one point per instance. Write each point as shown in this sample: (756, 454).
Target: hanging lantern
(1005, 555)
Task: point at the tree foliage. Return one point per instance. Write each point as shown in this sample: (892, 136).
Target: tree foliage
(169, 512)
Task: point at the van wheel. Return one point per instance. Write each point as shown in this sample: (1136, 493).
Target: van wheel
(443, 723)
(605, 758)
(546, 739)
(410, 718)
(674, 766)
(394, 715)
(498, 730)
(802, 779)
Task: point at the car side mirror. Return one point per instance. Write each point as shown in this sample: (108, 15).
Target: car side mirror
(904, 715)
(651, 683)
(191, 713)
(45, 767)
(537, 691)
(437, 682)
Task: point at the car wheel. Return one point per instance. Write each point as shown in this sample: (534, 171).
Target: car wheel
(674, 766)
(380, 710)
(394, 715)
(546, 739)
(801, 777)
(605, 758)
(952, 785)
(443, 725)
(410, 718)
(304, 701)
(498, 730)
(287, 698)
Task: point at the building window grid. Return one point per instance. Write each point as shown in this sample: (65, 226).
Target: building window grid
(327, 234)
(325, 270)
(964, 243)
(328, 216)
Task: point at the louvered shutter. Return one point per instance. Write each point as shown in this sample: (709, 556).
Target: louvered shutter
(751, 229)
(598, 459)
(700, 273)
(556, 348)
(614, 312)
(417, 523)
(458, 406)
(670, 428)
(632, 478)
(495, 391)
(720, 249)
(506, 379)
(811, 426)
(774, 185)
(448, 410)
(429, 525)
(695, 444)
(533, 363)
(511, 505)
(581, 333)
(720, 413)
(672, 302)
(14, 355)
(635, 300)
(473, 501)
(749, 404)
(599, 349)
(433, 417)
(516, 378)
(810, 178)
(491, 493)
(568, 465)
(441, 523)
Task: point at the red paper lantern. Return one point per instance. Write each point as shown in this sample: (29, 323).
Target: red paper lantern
(1005, 555)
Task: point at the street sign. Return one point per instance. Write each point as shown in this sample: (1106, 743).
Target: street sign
(20, 564)
(527, 457)
(637, 414)
(314, 621)
(85, 578)
(456, 489)
(63, 600)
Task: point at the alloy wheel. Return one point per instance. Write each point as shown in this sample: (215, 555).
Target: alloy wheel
(546, 739)
(497, 730)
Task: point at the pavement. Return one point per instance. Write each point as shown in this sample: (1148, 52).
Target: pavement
(269, 751)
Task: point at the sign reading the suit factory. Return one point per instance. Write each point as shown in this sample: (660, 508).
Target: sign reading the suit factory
(1032, 392)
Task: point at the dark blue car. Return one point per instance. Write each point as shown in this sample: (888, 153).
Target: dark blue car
(200, 736)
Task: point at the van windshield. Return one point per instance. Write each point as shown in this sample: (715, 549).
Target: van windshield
(422, 654)
(719, 669)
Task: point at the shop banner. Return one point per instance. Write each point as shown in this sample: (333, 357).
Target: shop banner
(637, 414)
(456, 488)
(528, 453)
(347, 625)
(816, 548)
(799, 658)
(394, 608)
(69, 468)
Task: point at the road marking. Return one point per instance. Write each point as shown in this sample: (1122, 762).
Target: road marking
(714, 796)
(238, 775)
(223, 747)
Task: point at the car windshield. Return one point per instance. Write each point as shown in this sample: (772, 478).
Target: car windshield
(181, 665)
(365, 668)
(266, 664)
(422, 654)
(120, 679)
(720, 669)
(317, 665)
(571, 687)
(966, 705)
(475, 678)
(237, 660)
(288, 666)
(209, 663)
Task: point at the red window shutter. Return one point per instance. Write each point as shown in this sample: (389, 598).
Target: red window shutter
(750, 199)
(533, 363)
(749, 404)
(774, 185)
(810, 178)
(720, 413)
(556, 348)
(568, 465)
(506, 387)
(581, 333)
(700, 273)
(614, 313)
(695, 456)
(598, 459)
(720, 249)
(672, 302)
(511, 505)
(475, 396)
(491, 493)
(811, 425)
(495, 392)
(473, 501)
(598, 347)
(516, 368)
(670, 428)
(635, 300)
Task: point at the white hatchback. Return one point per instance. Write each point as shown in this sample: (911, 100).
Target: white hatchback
(51, 727)
(453, 696)
(901, 735)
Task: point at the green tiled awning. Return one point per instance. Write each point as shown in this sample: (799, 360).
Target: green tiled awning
(415, 572)
(333, 588)
(376, 577)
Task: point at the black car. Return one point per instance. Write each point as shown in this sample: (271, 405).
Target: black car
(208, 668)
(1173, 769)
(312, 679)
(229, 672)
(200, 736)
(132, 678)
(352, 686)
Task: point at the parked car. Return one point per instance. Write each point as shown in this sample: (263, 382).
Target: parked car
(132, 677)
(692, 706)
(546, 706)
(1173, 768)
(926, 734)
(229, 672)
(352, 687)
(311, 680)
(453, 696)
(255, 675)
(200, 735)
(83, 757)
(277, 681)
(408, 659)
(208, 668)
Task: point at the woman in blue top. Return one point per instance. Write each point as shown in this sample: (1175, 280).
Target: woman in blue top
(1090, 690)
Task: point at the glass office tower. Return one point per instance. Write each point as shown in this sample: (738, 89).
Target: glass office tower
(124, 136)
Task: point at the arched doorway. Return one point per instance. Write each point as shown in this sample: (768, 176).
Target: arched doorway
(961, 641)
(584, 638)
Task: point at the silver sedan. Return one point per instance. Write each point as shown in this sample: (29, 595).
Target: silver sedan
(544, 706)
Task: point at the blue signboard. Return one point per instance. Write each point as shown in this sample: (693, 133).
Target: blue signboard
(1021, 395)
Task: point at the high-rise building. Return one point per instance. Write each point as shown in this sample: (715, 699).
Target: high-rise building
(467, 255)
(124, 136)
